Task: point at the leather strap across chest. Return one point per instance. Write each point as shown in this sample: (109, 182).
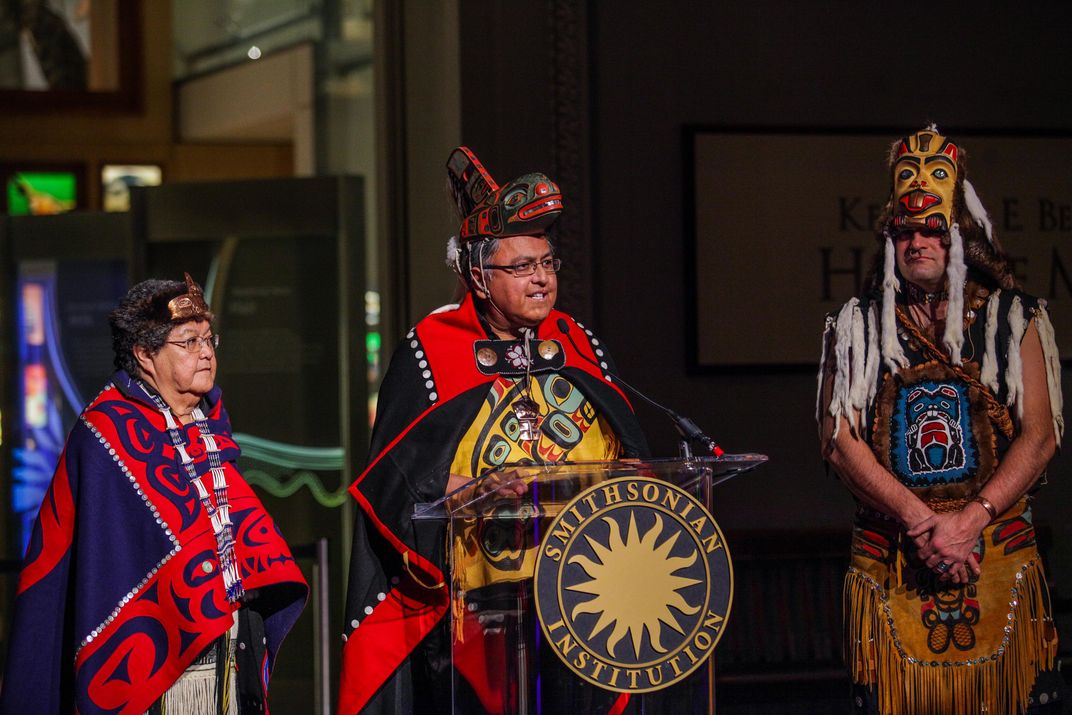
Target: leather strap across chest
(998, 413)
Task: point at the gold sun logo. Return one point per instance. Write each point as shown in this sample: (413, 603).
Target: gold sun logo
(633, 584)
(643, 568)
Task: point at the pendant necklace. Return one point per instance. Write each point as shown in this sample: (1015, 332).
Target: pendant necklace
(525, 408)
(926, 309)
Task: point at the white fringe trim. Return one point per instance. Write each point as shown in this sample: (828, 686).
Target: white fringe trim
(1052, 358)
(195, 692)
(989, 373)
(956, 272)
(830, 321)
(1014, 370)
(892, 353)
(975, 208)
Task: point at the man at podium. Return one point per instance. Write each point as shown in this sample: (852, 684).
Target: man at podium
(500, 378)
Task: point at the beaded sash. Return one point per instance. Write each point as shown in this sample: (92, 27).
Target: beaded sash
(220, 513)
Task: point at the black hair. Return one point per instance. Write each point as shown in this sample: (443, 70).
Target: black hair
(142, 318)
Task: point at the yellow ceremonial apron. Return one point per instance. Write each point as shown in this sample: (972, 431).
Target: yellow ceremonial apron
(490, 551)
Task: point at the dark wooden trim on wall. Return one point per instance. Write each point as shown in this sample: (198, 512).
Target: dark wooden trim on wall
(571, 151)
(389, 72)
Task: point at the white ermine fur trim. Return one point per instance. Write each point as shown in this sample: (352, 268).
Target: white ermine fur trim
(1052, 358)
(840, 402)
(892, 353)
(975, 208)
(989, 373)
(858, 388)
(955, 272)
(855, 364)
(1014, 371)
(454, 253)
(871, 370)
(827, 330)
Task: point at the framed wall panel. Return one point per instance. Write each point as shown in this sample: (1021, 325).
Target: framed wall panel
(780, 230)
(60, 55)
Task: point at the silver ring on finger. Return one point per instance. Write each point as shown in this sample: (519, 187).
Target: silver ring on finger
(942, 567)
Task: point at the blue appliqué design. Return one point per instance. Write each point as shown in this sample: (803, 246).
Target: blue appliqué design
(931, 439)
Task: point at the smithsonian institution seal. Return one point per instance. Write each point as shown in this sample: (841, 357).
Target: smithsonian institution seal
(633, 584)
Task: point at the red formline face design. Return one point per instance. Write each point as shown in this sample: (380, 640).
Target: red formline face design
(948, 149)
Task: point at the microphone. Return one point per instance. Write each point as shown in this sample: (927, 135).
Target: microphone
(689, 430)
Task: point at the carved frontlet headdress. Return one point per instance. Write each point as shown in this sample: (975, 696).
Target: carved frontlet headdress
(190, 305)
(930, 192)
(924, 182)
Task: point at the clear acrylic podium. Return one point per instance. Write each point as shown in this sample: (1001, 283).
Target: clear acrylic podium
(503, 662)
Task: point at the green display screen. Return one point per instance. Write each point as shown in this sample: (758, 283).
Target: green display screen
(41, 193)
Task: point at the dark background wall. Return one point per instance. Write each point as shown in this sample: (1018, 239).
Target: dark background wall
(650, 70)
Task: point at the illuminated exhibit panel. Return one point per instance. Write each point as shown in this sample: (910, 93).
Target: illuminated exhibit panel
(64, 357)
(41, 193)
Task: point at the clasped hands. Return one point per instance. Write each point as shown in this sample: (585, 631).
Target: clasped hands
(945, 542)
